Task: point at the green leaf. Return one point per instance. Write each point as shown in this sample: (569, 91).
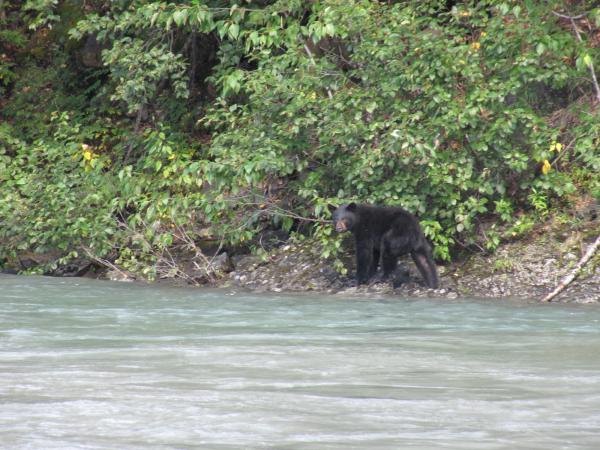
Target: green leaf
(330, 29)
(222, 29)
(540, 49)
(582, 62)
(234, 31)
(180, 16)
(202, 15)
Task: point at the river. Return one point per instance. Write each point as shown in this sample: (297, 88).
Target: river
(88, 364)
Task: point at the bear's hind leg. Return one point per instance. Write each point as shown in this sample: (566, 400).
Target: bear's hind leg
(388, 261)
(374, 262)
(426, 266)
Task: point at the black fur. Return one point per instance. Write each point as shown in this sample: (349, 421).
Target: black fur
(385, 233)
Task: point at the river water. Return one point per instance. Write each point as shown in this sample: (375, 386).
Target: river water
(88, 364)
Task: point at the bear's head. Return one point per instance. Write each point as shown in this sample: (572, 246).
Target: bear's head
(345, 218)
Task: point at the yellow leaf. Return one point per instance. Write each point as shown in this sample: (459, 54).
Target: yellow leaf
(88, 155)
(546, 167)
(476, 45)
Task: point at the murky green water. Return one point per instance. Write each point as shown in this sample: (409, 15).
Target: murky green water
(96, 365)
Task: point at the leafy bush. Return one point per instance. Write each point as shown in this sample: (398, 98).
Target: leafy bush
(466, 117)
(377, 103)
(48, 200)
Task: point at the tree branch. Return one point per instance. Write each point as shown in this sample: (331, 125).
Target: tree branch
(312, 60)
(572, 19)
(108, 264)
(563, 16)
(574, 272)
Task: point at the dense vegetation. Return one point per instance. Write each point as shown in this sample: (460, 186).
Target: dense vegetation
(132, 129)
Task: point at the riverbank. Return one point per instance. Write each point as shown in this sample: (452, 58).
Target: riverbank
(527, 267)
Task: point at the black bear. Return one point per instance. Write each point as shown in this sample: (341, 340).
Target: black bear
(386, 233)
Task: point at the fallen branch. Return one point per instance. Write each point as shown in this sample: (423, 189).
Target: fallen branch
(574, 272)
(572, 19)
(106, 263)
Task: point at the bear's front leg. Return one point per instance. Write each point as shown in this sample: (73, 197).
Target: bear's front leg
(364, 261)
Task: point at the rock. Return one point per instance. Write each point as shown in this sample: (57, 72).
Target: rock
(117, 275)
(221, 264)
(244, 263)
(74, 269)
(272, 239)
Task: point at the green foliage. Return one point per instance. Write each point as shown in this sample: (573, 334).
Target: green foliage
(465, 117)
(9, 39)
(41, 12)
(435, 114)
(139, 70)
(12, 38)
(47, 201)
(521, 226)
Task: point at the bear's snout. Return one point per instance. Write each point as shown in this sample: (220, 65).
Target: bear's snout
(341, 226)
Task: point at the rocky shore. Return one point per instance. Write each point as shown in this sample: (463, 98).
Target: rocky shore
(526, 268)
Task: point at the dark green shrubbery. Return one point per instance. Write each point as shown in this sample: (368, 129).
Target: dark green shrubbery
(217, 120)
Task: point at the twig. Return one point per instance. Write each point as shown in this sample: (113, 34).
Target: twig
(194, 62)
(590, 65)
(312, 60)
(467, 246)
(176, 270)
(165, 262)
(138, 122)
(208, 268)
(563, 152)
(574, 272)
(564, 16)
(106, 263)
(273, 209)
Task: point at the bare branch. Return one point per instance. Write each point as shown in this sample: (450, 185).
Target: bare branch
(106, 263)
(572, 19)
(312, 60)
(574, 272)
(564, 16)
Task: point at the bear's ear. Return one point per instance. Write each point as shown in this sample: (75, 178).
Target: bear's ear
(351, 207)
(331, 208)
